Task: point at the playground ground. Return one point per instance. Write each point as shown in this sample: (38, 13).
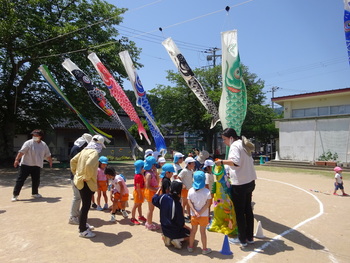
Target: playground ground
(299, 225)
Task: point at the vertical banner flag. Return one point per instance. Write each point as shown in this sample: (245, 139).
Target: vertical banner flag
(118, 93)
(347, 25)
(142, 101)
(98, 98)
(188, 75)
(53, 85)
(233, 101)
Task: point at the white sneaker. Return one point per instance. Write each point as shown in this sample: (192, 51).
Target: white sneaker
(87, 234)
(167, 240)
(37, 196)
(236, 241)
(125, 214)
(90, 227)
(176, 243)
(73, 220)
(112, 218)
(14, 198)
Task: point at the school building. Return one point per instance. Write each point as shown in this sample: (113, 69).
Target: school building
(315, 125)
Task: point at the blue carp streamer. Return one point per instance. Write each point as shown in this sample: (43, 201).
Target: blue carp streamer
(142, 101)
(347, 25)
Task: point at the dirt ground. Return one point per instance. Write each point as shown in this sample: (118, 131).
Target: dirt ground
(299, 225)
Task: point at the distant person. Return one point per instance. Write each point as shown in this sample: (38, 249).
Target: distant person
(172, 219)
(338, 184)
(30, 159)
(78, 146)
(199, 199)
(148, 152)
(242, 174)
(102, 183)
(84, 166)
(200, 159)
(139, 193)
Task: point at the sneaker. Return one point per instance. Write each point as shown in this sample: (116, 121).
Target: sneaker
(167, 240)
(176, 243)
(152, 226)
(206, 251)
(87, 234)
(112, 218)
(236, 241)
(105, 207)
(94, 205)
(250, 241)
(125, 214)
(142, 218)
(37, 196)
(190, 249)
(345, 194)
(135, 221)
(90, 227)
(99, 208)
(73, 220)
(14, 198)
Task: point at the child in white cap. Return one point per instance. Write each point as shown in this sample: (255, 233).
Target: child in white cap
(178, 159)
(186, 177)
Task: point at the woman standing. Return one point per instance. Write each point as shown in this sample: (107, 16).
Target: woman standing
(243, 176)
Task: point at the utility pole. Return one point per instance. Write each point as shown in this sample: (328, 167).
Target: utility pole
(273, 89)
(214, 56)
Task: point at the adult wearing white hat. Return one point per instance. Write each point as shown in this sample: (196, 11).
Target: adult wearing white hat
(78, 146)
(84, 167)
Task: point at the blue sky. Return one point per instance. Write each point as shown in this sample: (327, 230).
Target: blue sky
(296, 45)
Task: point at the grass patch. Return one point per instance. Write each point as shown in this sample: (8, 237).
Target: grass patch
(329, 174)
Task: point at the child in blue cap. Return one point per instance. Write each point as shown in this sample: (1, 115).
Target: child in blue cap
(199, 199)
(139, 193)
(167, 173)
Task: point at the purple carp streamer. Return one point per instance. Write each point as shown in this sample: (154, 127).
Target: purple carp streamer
(98, 98)
(233, 101)
(53, 85)
(188, 75)
(142, 101)
(347, 25)
(118, 93)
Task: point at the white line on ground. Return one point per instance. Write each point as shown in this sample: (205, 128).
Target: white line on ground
(265, 245)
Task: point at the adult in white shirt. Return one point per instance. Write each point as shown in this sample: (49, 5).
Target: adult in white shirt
(242, 176)
(30, 159)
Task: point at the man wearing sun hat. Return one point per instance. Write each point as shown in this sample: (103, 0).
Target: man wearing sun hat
(199, 199)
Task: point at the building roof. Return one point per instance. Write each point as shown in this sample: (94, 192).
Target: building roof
(104, 124)
(335, 92)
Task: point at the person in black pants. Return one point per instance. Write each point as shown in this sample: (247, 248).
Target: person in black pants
(242, 174)
(30, 159)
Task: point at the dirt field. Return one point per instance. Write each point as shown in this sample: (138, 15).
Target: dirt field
(299, 225)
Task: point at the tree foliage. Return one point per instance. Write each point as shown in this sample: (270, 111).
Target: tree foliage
(35, 32)
(178, 106)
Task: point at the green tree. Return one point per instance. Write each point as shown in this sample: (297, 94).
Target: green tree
(178, 107)
(35, 32)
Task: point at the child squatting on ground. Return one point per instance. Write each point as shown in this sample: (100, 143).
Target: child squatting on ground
(119, 193)
(338, 184)
(199, 199)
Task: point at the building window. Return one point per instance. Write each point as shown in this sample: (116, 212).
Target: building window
(321, 111)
